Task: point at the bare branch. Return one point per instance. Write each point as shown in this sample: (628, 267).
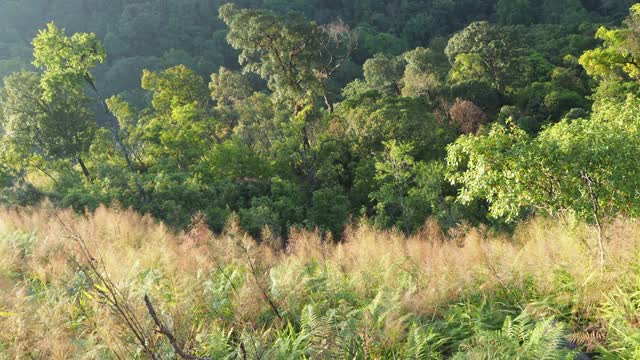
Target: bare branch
(108, 293)
(254, 272)
(164, 330)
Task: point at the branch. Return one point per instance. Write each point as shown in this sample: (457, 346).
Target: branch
(115, 134)
(264, 292)
(596, 214)
(162, 329)
(108, 292)
(111, 296)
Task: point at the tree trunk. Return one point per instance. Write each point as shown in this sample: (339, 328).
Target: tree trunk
(309, 166)
(113, 124)
(115, 134)
(596, 217)
(308, 163)
(85, 171)
(601, 243)
(329, 104)
(405, 216)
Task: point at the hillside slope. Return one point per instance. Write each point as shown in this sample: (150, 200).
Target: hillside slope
(74, 286)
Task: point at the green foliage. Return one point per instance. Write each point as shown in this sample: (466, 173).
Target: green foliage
(329, 210)
(306, 123)
(515, 12)
(279, 211)
(485, 167)
(373, 42)
(259, 126)
(615, 59)
(394, 172)
(67, 61)
(228, 87)
(20, 195)
(422, 75)
(300, 128)
(175, 87)
(372, 119)
(433, 196)
(41, 129)
(619, 313)
(578, 165)
(484, 51)
(383, 74)
(519, 338)
(60, 127)
(295, 56)
(566, 12)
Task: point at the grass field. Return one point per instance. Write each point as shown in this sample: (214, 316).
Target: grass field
(73, 287)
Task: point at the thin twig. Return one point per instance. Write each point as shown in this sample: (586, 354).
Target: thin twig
(108, 292)
(254, 272)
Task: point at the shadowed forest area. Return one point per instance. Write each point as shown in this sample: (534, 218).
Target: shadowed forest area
(364, 179)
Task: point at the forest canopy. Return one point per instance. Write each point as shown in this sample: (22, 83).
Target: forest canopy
(314, 114)
(319, 179)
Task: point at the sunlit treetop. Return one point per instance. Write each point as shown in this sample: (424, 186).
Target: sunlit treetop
(618, 58)
(66, 61)
(175, 87)
(295, 56)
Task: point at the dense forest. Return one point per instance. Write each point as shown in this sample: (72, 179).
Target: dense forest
(309, 114)
(289, 120)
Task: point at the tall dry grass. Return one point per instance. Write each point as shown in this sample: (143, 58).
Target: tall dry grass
(206, 284)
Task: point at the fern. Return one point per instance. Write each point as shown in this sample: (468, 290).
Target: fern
(330, 335)
(422, 344)
(621, 311)
(290, 345)
(520, 338)
(216, 345)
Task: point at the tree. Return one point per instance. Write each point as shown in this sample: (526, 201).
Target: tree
(182, 128)
(423, 75)
(383, 73)
(467, 116)
(329, 210)
(296, 57)
(371, 119)
(175, 87)
(513, 12)
(484, 166)
(58, 126)
(258, 124)
(230, 90)
(229, 87)
(395, 173)
(584, 166)
(280, 211)
(67, 63)
(483, 51)
(619, 57)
